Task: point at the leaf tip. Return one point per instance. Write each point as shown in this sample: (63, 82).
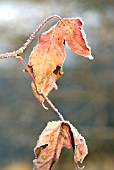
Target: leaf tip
(90, 57)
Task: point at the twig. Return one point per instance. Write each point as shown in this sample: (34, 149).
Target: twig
(33, 35)
(38, 29)
(46, 98)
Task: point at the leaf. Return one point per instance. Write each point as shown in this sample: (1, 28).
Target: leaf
(49, 85)
(48, 56)
(76, 37)
(56, 135)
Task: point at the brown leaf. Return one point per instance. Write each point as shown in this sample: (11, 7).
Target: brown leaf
(48, 56)
(80, 147)
(56, 135)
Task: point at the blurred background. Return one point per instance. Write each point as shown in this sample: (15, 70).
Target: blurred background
(86, 90)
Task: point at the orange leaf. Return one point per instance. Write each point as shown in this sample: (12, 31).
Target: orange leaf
(56, 135)
(75, 36)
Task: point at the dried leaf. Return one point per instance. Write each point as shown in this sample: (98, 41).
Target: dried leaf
(49, 85)
(80, 147)
(56, 135)
(48, 56)
(75, 36)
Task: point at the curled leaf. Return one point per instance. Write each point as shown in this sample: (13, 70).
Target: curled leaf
(49, 85)
(75, 36)
(56, 135)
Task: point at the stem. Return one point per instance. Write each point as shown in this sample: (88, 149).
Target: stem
(46, 98)
(53, 107)
(33, 35)
(7, 55)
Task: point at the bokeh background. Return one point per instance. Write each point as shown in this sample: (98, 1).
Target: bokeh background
(86, 90)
